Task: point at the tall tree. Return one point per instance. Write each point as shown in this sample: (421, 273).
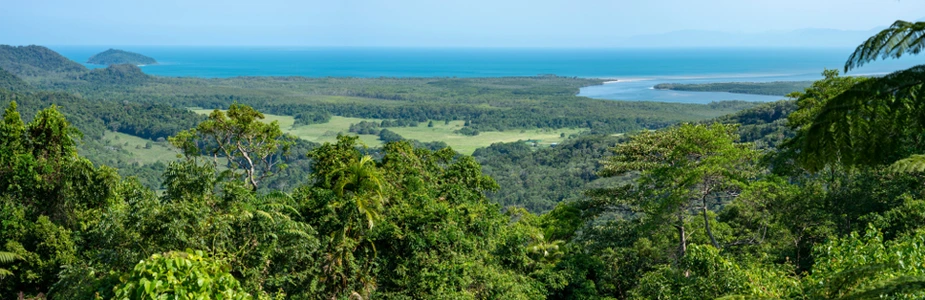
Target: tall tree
(346, 201)
(683, 168)
(250, 145)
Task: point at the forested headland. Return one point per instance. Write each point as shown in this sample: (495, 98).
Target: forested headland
(815, 197)
(774, 88)
(119, 57)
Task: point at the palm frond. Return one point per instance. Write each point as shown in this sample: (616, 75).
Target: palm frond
(901, 38)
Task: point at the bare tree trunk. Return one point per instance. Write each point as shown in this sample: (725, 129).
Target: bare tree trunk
(251, 172)
(706, 221)
(682, 248)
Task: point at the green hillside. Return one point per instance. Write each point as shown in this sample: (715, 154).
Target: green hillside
(10, 82)
(31, 61)
(124, 74)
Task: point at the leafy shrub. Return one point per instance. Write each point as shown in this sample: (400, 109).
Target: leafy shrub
(180, 275)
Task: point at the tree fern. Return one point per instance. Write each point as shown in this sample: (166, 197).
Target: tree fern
(901, 38)
(5, 258)
(868, 123)
(911, 164)
(872, 121)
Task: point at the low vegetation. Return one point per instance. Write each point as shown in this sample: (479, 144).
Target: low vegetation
(775, 88)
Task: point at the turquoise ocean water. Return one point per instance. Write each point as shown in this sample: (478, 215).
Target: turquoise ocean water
(635, 70)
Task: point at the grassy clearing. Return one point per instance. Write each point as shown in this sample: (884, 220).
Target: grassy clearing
(159, 151)
(327, 132)
(319, 133)
(468, 144)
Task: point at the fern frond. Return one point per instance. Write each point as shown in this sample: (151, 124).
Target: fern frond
(844, 281)
(743, 297)
(8, 257)
(864, 124)
(901, 38)
(911, 164)
(900, 285)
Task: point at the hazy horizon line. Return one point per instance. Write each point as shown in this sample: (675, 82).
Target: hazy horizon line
(442, 46)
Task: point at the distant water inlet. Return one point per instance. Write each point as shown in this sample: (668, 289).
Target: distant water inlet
(634, 89)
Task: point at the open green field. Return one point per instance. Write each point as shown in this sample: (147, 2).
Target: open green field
(136, 145)
(468, 144)
(327, 132)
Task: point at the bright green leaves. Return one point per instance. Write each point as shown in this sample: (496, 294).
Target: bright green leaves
(11, 130)
(7, 257)
(362, 181)
(704, 273)
(911, 164)
(353, 178)
(42, 246)
(255, 148)
(39, 165)
(51, 136)
(348, 198)
(180, 275)
(867, 267)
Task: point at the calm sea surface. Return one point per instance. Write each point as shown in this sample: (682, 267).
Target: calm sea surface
(635, 70)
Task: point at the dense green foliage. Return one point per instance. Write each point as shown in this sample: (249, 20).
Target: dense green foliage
(150, 121)
(765, 125)
(10, 82)
(313, 117)
(116, 75)
(118, 57)
(355, 228)
(775, 88)
(414, 223)
(776, 201)
(93, 118)
(367, 127)
(538, 179)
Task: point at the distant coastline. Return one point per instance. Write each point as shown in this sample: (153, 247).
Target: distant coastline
(627, 74)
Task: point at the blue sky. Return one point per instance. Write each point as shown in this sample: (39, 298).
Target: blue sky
(414, 23)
